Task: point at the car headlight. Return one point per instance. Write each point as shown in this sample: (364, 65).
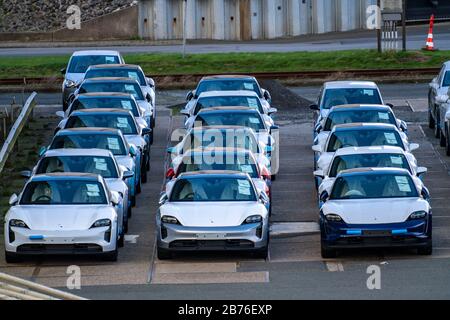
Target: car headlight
(18, 223)
(101, 223)
(69, 83)
(418, 215)
(253, 219)
(333, 217)
(169, 220)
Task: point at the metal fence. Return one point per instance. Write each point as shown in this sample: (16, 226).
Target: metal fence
(16, 129)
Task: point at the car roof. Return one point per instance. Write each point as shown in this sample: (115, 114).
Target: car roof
(115, 66)
(110, 79)
(349, 107)
(105, 94)
(78, 152)
(363, 126)
(227, 76)
(89, 130)
(363, 171)
(96, 53)
(350, 84)
(66, 176)
(235, 93)
(369, 150)
(236, 109)
(213, 173)
(101, 111)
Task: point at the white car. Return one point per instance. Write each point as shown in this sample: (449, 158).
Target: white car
(213, 210)
(79, 63)
(243, 98)
(438, 90)
(375, 207)
(360, 135)
(366, 157)
(63, 213)
(337, 93)
(95, 161)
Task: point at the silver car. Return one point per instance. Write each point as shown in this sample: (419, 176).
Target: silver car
(438, 88)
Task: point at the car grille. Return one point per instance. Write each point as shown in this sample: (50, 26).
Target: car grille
(59, 248)
(212, 244)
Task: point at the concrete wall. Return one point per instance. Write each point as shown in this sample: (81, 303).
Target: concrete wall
(249, 19)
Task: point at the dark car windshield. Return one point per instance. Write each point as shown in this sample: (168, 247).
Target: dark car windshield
(222, 161)
(82, 103)
(373, 186)
(116, 73)
(228, 101)
(337, 97)
(79, 64)
(103, 166)
(113, 86)
(63, 192)
(228, 85)
(446, 82)
(249, 120)
(112, 143)
(125, 123)
(374, 160)
(364, 138)
(358, 116)
(232, 139)
(212, 189)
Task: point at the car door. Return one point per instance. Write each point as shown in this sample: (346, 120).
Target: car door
(434, 91)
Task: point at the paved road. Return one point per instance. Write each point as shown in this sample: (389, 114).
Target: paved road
(295, 269)
(327, 42)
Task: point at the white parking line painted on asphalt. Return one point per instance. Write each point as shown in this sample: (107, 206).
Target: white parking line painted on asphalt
(131, 238)
(293, 229)
(209, 278)
(203, 267)
(334, 266)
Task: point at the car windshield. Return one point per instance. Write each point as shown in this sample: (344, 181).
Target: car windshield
(364, 138)
(113, 86)
(125, 123)
(232, 139)
(369, 186)
(82, 103)
(228, 85)
(337, 97)
(112, 143)
(63, 192)
(116, 73)
(249, 120)
(79, 64)
(358, 116)
(446, 82)
(374, 160)
(228, 101)
(212, 189)
(103, 166)
(222, 161)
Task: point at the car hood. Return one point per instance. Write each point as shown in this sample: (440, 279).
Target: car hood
(324, 161)
(321, 138)
(125, 161)
(146, 106)
(116, 185)
(61, 217)
(375, 211)
(137, 140)
(76, 77)
(212, 214)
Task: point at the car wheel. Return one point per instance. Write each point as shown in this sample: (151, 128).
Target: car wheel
(442, 140)
(111, 256)
(12, 257)
(437, 131)
(144, 174)
(262, 253)
(425, 251)
(133, 201)
(326, 252)
(163, 254)
(125, 225)
(274, 177)
(139, 186)
(431, 122)
(121, 241)
(447, 142)
(129, 214)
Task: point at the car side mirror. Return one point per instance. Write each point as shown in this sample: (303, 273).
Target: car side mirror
(267, 95)
(60, 114)
(318, 128)
(13, 200)
(163, 199)
(185, 112)
(390, 105)
(115, 198)
(127, 175)
(319, 174)
(26, 174)
(148, 98)
(146, 131)
(413, 146)
(63, 71)
(132, 151)
(189, 96)
(150, 82)
(314, 107)
(264, 198)
(274, 128)
(324, 196)
(425, 193)
(316, 148)
(272, 111)
(403, 126)
(421, 171)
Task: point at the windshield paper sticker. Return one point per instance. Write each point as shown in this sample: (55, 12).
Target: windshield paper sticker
(403, 184)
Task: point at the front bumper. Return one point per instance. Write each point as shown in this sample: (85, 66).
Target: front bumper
(414, 234)
(244, 237)
(35, 242)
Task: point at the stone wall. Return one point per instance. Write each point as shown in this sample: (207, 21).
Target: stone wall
(50, 15)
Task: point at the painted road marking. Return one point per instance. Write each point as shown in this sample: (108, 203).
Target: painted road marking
(131, 238)
(195, 267)
(209, 278)
(334, 266)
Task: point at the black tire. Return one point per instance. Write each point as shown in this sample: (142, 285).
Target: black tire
(262, 253)
(447, 142)
(111, 256)
(125, 226)
(425, 251)
(129, 213)
(133, 201)
(144, 174)
(442, 140)
(121, 241)
(431, 122)
(12, 257)
(164, 254)
(274, 177)
(437, 130)
(139, 186)
(326, 252)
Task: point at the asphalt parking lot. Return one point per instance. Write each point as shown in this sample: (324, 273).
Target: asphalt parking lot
(294, 268)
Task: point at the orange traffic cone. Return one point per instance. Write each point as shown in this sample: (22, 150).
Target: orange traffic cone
(430, 41)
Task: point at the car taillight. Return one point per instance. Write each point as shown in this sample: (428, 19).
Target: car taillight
(170, 173)
(267, 190)
(265, 174)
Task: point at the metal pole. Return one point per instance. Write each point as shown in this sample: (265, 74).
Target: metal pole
(379, 27)
(184, 27)
(404, 26)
